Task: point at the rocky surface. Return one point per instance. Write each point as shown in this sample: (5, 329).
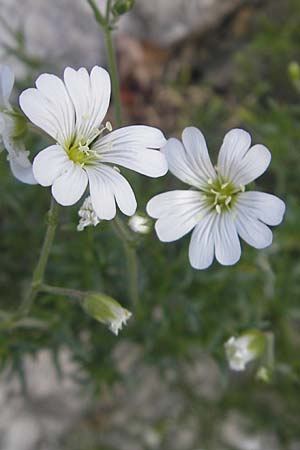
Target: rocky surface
(149, 409)
(63, 32)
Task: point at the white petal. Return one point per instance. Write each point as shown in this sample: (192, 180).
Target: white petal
(254, 164)
(177, 211)
(49, 164)
(107, 186)
(50, 108)
(266, 207)
(90, 95)
(132, 147)
(201, 249)
(235, 145)
(182, 162)
(227, 243)
(22, 173)
(70, 186)
(7, 79)
(252, 231)
(195, 145)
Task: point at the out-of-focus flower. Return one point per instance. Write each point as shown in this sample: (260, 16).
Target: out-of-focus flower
(245, 348)
(12, 128)
(87, 215)
(72, 112)
(107, 311)
(218, 208)
(139, 224)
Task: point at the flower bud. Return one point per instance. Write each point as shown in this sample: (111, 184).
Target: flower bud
(106, 310)
(294, 71)
(264, 374)
(122, 6)
(245, 348)
(139, 224)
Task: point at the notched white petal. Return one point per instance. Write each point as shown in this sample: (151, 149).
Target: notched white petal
(235, 145)
(266, 207)
(136, 148)
(49, 164)
(69, 187)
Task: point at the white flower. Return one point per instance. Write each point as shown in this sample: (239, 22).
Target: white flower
(139, 224)
(72, 112)
(87, 215)
(218, 208)
(11, 127)
(240, 351)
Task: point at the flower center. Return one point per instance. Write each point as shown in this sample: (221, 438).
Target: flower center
(221, 195)
(79, 150)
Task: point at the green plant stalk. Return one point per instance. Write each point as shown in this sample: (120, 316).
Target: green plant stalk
(112, 66)
(130, 251)
(111, 56)
(120, 228)
(56, 290)
(39, 271)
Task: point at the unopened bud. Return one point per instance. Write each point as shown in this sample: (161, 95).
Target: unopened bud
(139, 224)
(122, 6)
(294, 71)
(106, 310)
(264, 374)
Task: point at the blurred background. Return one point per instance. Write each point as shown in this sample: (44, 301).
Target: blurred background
(67, 383)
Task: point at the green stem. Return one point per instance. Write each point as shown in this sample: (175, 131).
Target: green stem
(111, 57)
(119, 226)
(56, 290)
(132, 264)
(39, 271)
(112, 65)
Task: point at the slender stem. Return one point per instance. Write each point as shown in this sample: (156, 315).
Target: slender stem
(115, 84)
(40, 268)
(111, 56)
(56, 290)
(97, 13)
(107, 14)
(132, 264)
(119, 226)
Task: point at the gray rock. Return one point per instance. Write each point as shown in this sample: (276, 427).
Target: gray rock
(64, 32)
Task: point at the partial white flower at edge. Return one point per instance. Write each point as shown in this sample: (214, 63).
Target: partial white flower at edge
(87, 215)
(139, 224)
(217, 207)
(9, 124)
(72, 113)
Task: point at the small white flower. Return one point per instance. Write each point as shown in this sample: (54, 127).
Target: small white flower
(87, 215)
(107, 311)
(11, 126)
(72, 112)
(240, 351)
(139, 224)
(218, 208)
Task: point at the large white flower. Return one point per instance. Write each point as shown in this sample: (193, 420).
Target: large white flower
(72, 112)
(11, 129)
(218, 208)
